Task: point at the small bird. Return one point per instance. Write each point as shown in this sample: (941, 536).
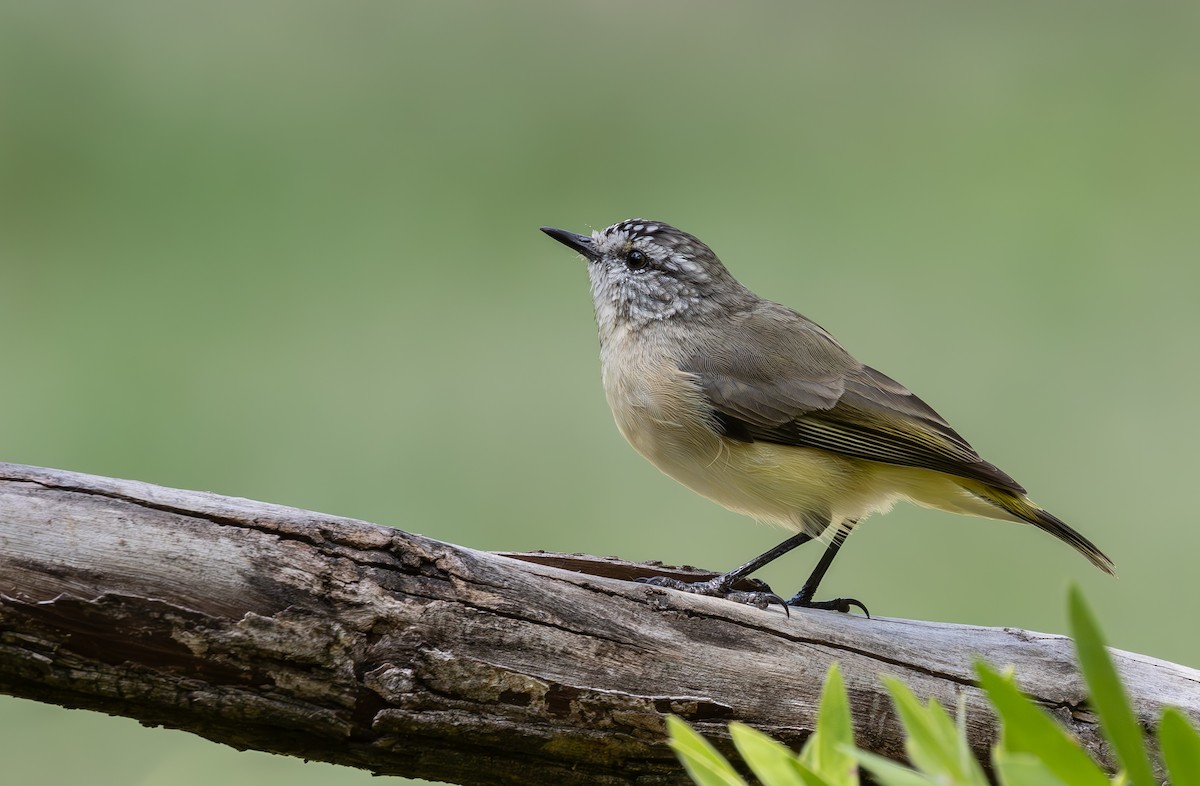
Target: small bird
(758, 408)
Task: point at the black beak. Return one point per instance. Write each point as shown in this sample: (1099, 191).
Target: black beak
(580, 243)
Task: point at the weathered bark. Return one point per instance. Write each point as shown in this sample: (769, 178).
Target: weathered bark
(284, 630)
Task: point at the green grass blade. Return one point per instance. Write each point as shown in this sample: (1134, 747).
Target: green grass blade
(888, 772)
(703, 763)
(1028, 729)
(1106, 695)
(925, 749)
(1180, 748)
(1024, 769)
(811, 778)
(932, 741)
(769, 760)
(824, 753)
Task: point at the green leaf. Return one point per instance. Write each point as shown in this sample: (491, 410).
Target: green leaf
(1117, 720)
(1023, 769)
(1180, 748)
(1028, 729)
(811, 778)
(888, 772)
(770, 761)
(703, 763)
(933, 743)
(923, 742)
(824, 753)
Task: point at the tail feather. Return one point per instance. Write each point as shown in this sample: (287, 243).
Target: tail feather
(1025, 509)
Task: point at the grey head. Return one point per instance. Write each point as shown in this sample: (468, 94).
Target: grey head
(644, 272)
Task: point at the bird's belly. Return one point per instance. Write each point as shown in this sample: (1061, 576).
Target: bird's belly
(797, 488)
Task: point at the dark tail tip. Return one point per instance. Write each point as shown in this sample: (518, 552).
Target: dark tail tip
(1023, 508)
(1048, 522)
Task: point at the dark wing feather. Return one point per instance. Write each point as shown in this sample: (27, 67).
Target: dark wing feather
(797, 386)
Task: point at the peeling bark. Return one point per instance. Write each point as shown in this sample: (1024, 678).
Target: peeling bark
(289, 631)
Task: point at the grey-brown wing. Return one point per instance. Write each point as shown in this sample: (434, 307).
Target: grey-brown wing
(795, 385)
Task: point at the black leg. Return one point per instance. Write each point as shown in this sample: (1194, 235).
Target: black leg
(767, 557)
(722, 586)
(804, 598)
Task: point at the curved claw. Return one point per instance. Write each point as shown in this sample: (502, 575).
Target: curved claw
(852, 601)
(773, 598)
(837, 604)
(843, 605)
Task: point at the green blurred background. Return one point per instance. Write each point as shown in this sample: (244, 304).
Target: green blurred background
(289, 251)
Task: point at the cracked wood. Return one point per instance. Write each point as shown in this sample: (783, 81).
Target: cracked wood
(266, 627)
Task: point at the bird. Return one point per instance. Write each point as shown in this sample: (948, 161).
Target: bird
(758, 408)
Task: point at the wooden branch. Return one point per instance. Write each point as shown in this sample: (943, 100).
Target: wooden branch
(294, 632)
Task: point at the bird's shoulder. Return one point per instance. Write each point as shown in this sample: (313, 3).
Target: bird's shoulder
(768, 363)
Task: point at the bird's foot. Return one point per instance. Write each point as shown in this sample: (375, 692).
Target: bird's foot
(722, 587)
(804, 600)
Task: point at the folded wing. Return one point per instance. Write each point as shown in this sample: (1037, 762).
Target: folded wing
(797, 386)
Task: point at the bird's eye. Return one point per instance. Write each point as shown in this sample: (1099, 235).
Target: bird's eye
(636, 260)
